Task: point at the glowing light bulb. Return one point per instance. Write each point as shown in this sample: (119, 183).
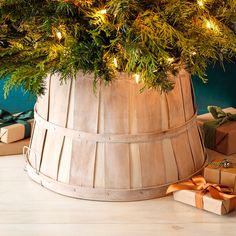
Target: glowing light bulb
(211, 25)
(200, 3)
(170, 60)
(137, 78)
(194, 53)
(115, 62)
(103, 11)
(59, 35)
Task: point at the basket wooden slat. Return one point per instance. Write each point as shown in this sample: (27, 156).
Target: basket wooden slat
(38, 140)
(58, 105)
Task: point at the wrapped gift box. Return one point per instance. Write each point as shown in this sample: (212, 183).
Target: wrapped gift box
(220, 207)
(216, 173)
(13, 148)
(225, 141)
(14, 132)
(204, 195)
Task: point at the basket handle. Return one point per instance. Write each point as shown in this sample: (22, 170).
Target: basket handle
(26, 154)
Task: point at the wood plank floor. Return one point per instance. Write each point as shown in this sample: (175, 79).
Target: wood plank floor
(27, 209)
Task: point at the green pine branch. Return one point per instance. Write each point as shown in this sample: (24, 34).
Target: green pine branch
(149, 38)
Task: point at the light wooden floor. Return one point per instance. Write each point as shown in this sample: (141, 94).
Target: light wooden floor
(27, 209)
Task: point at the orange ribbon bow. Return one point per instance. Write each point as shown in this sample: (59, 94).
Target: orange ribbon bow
(199, 184)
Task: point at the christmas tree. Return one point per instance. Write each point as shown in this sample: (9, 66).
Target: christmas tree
(146, 38)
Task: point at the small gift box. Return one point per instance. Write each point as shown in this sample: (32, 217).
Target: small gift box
(15, 127)
(13, 148)
(221, 172)
(15, 132)
(219, 129)
(197, 192)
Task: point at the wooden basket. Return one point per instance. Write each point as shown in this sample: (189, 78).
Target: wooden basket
(117, 145)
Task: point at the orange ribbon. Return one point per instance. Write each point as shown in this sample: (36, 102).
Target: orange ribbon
(199, 184)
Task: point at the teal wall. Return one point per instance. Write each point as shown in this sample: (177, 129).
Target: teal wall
(220, 91)
(17, 100)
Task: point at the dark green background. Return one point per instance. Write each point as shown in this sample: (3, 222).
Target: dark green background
(220, 91)
(17, 100)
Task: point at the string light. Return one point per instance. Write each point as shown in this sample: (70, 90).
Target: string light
(194, 53)
(200, 3)
(170, 60)
(103, 11)
(137, 78)
(101, 16)
(59, 35)
(211, 25)
(115, 62)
